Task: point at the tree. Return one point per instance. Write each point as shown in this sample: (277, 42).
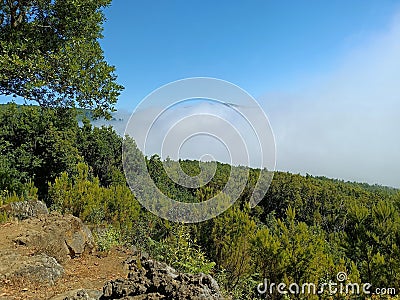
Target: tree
(232, 234)
(101, 149)
(181, 251)
(80, 194)
(50, 54)
(372, 242)
(35, 144)
(291, 252)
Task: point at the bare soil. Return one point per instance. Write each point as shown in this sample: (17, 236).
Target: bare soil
(90, 271)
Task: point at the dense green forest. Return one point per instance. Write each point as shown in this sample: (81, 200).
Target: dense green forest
(306, 229)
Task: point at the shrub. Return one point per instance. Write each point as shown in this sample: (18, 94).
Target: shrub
(81, 195)
(107, 238)
(181, 252)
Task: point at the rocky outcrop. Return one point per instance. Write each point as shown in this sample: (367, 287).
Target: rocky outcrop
(150, 279)
(80, 294)
(61, 237)
(32, 250)
(38, 268)
(24, 209)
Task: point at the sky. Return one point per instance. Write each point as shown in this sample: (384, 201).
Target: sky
(262, 46)
(326, 73)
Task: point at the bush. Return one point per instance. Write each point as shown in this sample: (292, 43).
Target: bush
(81, 195)
(181, 252)
(28, 192)
(107, 238)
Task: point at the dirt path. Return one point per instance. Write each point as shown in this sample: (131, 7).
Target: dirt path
(90, 271)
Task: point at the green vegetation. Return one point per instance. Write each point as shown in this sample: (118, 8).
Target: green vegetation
(50, 54)
(306, 229)
(181, 251)
(107, 238)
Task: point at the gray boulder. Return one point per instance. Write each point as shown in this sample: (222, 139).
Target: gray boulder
(150, 279)
(62, 237)
(80, 294)
(38, 268)
(24, 209)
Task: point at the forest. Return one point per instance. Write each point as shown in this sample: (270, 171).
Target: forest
(306, 229)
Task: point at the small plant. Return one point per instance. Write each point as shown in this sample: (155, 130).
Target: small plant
(29, 193)
(3, 217)
(181, 252)
(245, 289)
(107, 238)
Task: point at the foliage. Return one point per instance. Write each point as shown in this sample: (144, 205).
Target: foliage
(36, 144)
(107, 239)
(306, 229)
(29, 193)
(291, 252)
(232, 233)
(101, 149)
(50, 53)
(10, 178)
(181, 252)
(81, 195)
(371, 241)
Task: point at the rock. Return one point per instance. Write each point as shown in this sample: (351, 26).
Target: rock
(152, 296)
(24, 209)
(61, 237)
(38, 268)
(80, 294)
(150, 279)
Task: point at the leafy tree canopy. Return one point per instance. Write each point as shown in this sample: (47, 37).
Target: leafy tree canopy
(50, 54)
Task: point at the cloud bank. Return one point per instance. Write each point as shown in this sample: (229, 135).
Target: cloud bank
(345, 124)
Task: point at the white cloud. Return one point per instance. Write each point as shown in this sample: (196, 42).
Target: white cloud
(192, 130)
(347, 123)
(344, 124)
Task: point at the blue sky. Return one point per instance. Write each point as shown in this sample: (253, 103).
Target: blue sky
(263, 46)
(326, 73)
